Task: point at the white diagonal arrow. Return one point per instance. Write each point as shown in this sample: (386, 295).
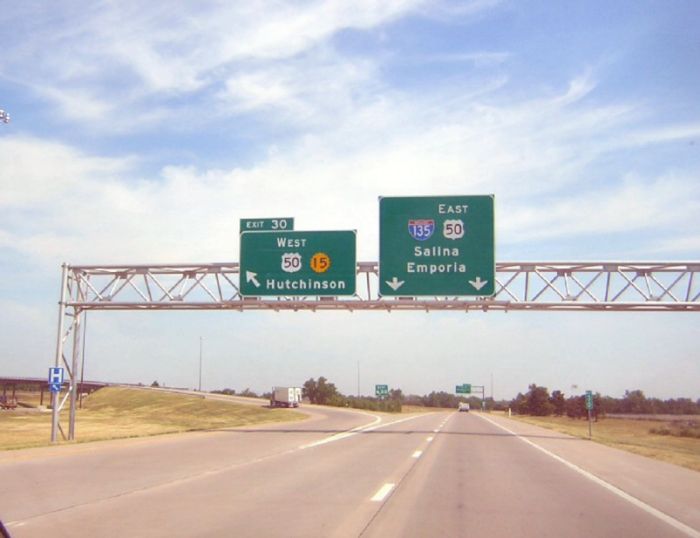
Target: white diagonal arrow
(395, 283)
(250, 277)
(478, 283)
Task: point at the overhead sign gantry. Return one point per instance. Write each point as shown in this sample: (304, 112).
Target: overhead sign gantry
(436, 254)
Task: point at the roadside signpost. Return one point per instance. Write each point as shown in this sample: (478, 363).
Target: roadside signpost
(55, 379)
(55, 382)
(321, 263)
(437, 245)
(468, 388)
(267, 225)
(464, 388)
(381, 391)
(589, 408)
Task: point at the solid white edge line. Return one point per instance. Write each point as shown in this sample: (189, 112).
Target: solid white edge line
(417, 454)
(383, 492)
(613, 489)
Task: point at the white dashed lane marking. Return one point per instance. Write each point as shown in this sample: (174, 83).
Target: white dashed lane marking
(383, 492)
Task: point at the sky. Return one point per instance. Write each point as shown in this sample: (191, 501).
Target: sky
(142, 133)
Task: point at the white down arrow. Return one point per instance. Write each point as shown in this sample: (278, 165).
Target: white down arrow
(478, 283)
(394, 283)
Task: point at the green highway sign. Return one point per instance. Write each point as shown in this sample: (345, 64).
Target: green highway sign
(437, 245)
(381, 390)
(298, 263)
(264, 225)
(464, 388)
(589, 400)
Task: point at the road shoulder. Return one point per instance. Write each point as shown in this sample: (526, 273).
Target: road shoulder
(669, 488)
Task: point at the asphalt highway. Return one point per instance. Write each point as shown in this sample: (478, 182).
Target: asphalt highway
(342, 473)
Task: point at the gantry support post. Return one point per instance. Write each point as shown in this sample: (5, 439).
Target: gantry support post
(59, 351)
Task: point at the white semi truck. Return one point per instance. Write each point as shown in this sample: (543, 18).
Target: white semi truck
(285, 397)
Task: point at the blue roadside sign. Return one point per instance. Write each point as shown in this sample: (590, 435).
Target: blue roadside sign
(55, 379)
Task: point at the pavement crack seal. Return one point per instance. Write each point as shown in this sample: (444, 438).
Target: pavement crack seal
(391, 491)
(670, 520)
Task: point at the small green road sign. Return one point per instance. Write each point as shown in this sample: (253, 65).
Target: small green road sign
(381, 390)
(589, 400)
(464, 388)
(298, 263)
(267, 225)
(437, 245)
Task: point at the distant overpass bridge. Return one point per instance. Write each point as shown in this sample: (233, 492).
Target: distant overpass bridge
(10, 385)
(520, 286)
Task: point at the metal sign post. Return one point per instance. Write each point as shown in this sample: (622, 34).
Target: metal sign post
(59, 352)
(467, 388)
(589, 408)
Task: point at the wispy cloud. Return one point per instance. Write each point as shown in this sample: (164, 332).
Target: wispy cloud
(686, 245)
(315, 90)
(478, 59)
(636, 204)
(452, 11)
(666, 133)
(531, 154)
(115, 56)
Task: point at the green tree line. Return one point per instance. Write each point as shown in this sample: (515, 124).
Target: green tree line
(321, 391)
(538, 401)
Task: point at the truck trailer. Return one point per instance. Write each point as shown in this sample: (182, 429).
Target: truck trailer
(285, 397)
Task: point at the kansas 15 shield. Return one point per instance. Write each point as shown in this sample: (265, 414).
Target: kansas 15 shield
(421, 229)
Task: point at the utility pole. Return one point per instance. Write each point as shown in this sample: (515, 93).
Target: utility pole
(200, 364)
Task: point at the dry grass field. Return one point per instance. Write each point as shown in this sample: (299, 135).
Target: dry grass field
(423, 409)
(631, 435)
(113, 412)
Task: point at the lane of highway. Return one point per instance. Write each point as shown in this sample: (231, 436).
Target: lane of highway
(316, 489)
(436, 474)
(37, 481)
(487, 482)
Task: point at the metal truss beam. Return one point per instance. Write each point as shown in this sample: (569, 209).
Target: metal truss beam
(520, 286)
(561, 286)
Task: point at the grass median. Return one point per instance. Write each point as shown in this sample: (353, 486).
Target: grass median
(113, 413)
(423, 409)
(628, 434)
